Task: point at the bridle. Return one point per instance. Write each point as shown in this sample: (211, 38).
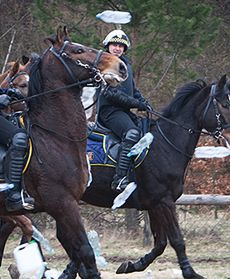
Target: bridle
(62, 56)
(217, 134)
(10, 80)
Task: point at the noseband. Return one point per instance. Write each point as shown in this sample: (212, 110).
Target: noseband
(61, 55)
(12, 79)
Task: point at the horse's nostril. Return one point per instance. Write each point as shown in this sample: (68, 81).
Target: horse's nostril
(123, 69)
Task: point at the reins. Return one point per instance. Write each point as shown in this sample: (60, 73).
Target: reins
(60, 55)
(95, 80)
(79, 83)
(217, 134)
(212, 100)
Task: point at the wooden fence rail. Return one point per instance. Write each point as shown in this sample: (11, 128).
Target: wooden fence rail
(204, 200)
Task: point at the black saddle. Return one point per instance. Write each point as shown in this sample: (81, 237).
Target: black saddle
(103, 145)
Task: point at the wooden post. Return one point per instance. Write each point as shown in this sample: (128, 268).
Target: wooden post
(204, 200)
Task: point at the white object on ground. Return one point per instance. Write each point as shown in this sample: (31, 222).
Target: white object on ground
(143, 143)
(52, 274)
(95, 243)
(29, 261)
(211, 152)
(37, 235)
(123, 196)
(116, 17)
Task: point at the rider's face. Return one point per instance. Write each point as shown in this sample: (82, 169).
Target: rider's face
(116, 49)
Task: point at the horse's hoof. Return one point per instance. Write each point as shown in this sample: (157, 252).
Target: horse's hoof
(191, 274)
(125, 267)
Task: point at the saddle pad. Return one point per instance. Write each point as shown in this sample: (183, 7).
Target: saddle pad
(103, 150)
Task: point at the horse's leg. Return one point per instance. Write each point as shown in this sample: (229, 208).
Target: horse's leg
(164, 224)
(177, 242)
(25, 224)
(160, 242)
(6, 228)
(72, 235)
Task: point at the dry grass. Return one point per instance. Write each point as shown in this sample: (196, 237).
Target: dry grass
(208, 249)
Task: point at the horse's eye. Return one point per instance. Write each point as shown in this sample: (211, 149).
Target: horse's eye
(79, 51)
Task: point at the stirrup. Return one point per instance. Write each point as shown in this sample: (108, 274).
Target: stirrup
(118, 188)
(26, 205)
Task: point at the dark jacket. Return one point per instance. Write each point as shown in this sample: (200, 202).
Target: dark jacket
(125, 95)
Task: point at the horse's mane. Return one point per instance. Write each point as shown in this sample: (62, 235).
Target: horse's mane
(36, 81)
(183, 95)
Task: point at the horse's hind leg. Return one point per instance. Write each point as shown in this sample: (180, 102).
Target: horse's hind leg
(6, 228)
(160, 242)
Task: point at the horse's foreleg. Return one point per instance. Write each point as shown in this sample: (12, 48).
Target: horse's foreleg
(160, 242)
(177, 242)
(72, 235)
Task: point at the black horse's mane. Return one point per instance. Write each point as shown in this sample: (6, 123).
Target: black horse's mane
(183, 95)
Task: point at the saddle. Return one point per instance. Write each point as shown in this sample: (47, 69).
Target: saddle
(103, 145)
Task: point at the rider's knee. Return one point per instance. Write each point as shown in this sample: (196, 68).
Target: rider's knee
(133, 135)
(20, 139)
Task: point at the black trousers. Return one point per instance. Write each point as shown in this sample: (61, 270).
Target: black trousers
(7, 130)
(117, 120)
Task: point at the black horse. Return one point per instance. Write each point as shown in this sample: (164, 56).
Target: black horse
(160, 178)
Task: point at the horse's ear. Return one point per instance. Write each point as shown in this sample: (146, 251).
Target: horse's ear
(222, 81)
(65, 31)
(61, 34)
(15, 68)
(25, 59)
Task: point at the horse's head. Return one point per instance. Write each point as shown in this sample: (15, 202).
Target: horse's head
(83, 62)
(217, 111)
(16, 77)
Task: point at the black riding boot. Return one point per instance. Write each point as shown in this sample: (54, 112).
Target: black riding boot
(15, 197)
(121, 178)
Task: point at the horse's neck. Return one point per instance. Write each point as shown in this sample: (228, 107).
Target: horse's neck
(61, 112)
(183, 135)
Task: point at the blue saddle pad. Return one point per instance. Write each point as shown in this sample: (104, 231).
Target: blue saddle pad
(102, 149)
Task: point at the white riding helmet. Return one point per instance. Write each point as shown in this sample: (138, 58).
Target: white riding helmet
(117, 36)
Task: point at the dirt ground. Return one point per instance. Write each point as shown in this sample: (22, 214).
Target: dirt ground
(116, 250)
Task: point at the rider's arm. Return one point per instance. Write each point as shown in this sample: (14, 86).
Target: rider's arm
(119, 98)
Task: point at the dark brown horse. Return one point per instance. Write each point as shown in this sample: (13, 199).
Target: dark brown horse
(58, 172)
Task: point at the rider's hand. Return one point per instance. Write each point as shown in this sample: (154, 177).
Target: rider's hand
(15, 93)
(4, 101)
(142, 106)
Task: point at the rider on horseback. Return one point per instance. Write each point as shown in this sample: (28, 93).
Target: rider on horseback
(114, 109)
(16, 140)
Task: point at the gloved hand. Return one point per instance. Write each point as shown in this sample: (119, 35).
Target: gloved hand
(15, 93)
(4, 101)
(145, 106)
(142, 106)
